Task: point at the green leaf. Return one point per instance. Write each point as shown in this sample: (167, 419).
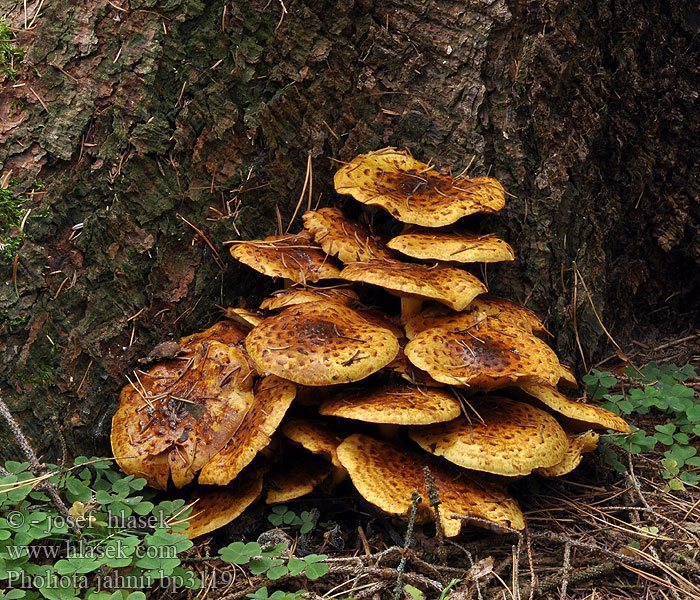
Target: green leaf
(260, 594)
(296, 566)
(261, 565)
(276, 572)
(414, 592)
(273, 551)
(239, 553)
(316, 570)
(77, 491)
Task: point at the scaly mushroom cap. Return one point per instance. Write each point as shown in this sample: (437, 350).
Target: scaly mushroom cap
(482, 356)
(343, 237)
(217, 507)
(247, 319)
(586, 416)
(316, 437)
(288, 482)
(451, 286)
(413, 192)
(458, 246)
(578, 445)
(320, 343)
(386, 476)
(505, 437)
(567, 377)
(185, 409)
(293, 296)
(273, 395)
(409, 372)
(397, 404)
(289, 256)
(503, 311)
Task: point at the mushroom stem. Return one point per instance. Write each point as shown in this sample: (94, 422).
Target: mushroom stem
(388, 432)
(410, 307)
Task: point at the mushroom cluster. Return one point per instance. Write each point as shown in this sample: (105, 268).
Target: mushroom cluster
(321, 384)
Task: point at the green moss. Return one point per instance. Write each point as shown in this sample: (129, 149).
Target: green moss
(10, 54)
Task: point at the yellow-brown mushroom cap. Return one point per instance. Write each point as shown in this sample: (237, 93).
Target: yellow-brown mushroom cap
(587, 415)
(288, 482)
(342, 237)
(216, 507)
(482, 356)
(294, 295)
(413, 192)
(316, 437)
(451, 286)
(320, 343)
(392, 403)
(578, 445)
(386, 476)
(457, 246)
(245, 318)
(184, 409)
(502, 312)
(272, 398)
(289, 256)
(505, 437)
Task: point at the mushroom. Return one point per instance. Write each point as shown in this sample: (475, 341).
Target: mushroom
(244, 317)
(292, 257)
(295, 295)
(579, 443)
(272, 398)
(504, 437)
(414, 192)
(178, 414)
(394, 404)
(214, 508)
(386, 476)
(286, 482)
(452, 246)
(320, 343)
(342, 237)
(414, 283)
(579, 415)
(482, 355)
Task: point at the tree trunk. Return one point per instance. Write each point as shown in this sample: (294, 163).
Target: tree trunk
(145, 134)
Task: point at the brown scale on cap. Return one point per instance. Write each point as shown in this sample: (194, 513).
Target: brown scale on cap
(215, 508)
(414, 192)
(292, 257)
(182, 411)
(457, 246)
(483, 356)
(578, 445)
(585, 416)
(293, 296)
(343, 237)
(386, 476)
(397, 404)
(320, 343)
(504, 437)
(451, 286)
(273, 396)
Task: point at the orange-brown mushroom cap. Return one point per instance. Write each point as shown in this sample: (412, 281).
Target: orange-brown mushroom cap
(287, 482)
(289, 256)
(392, 403)
(342, 237)
(457, 246)
(386, 476)
(483, 356)
(451, 286)
(184, 410)
(320, 343)
(505, 437)
(315, 436)
(413, 192)
(273, 396)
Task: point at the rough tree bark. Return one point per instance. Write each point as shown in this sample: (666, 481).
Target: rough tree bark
(135, 123)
